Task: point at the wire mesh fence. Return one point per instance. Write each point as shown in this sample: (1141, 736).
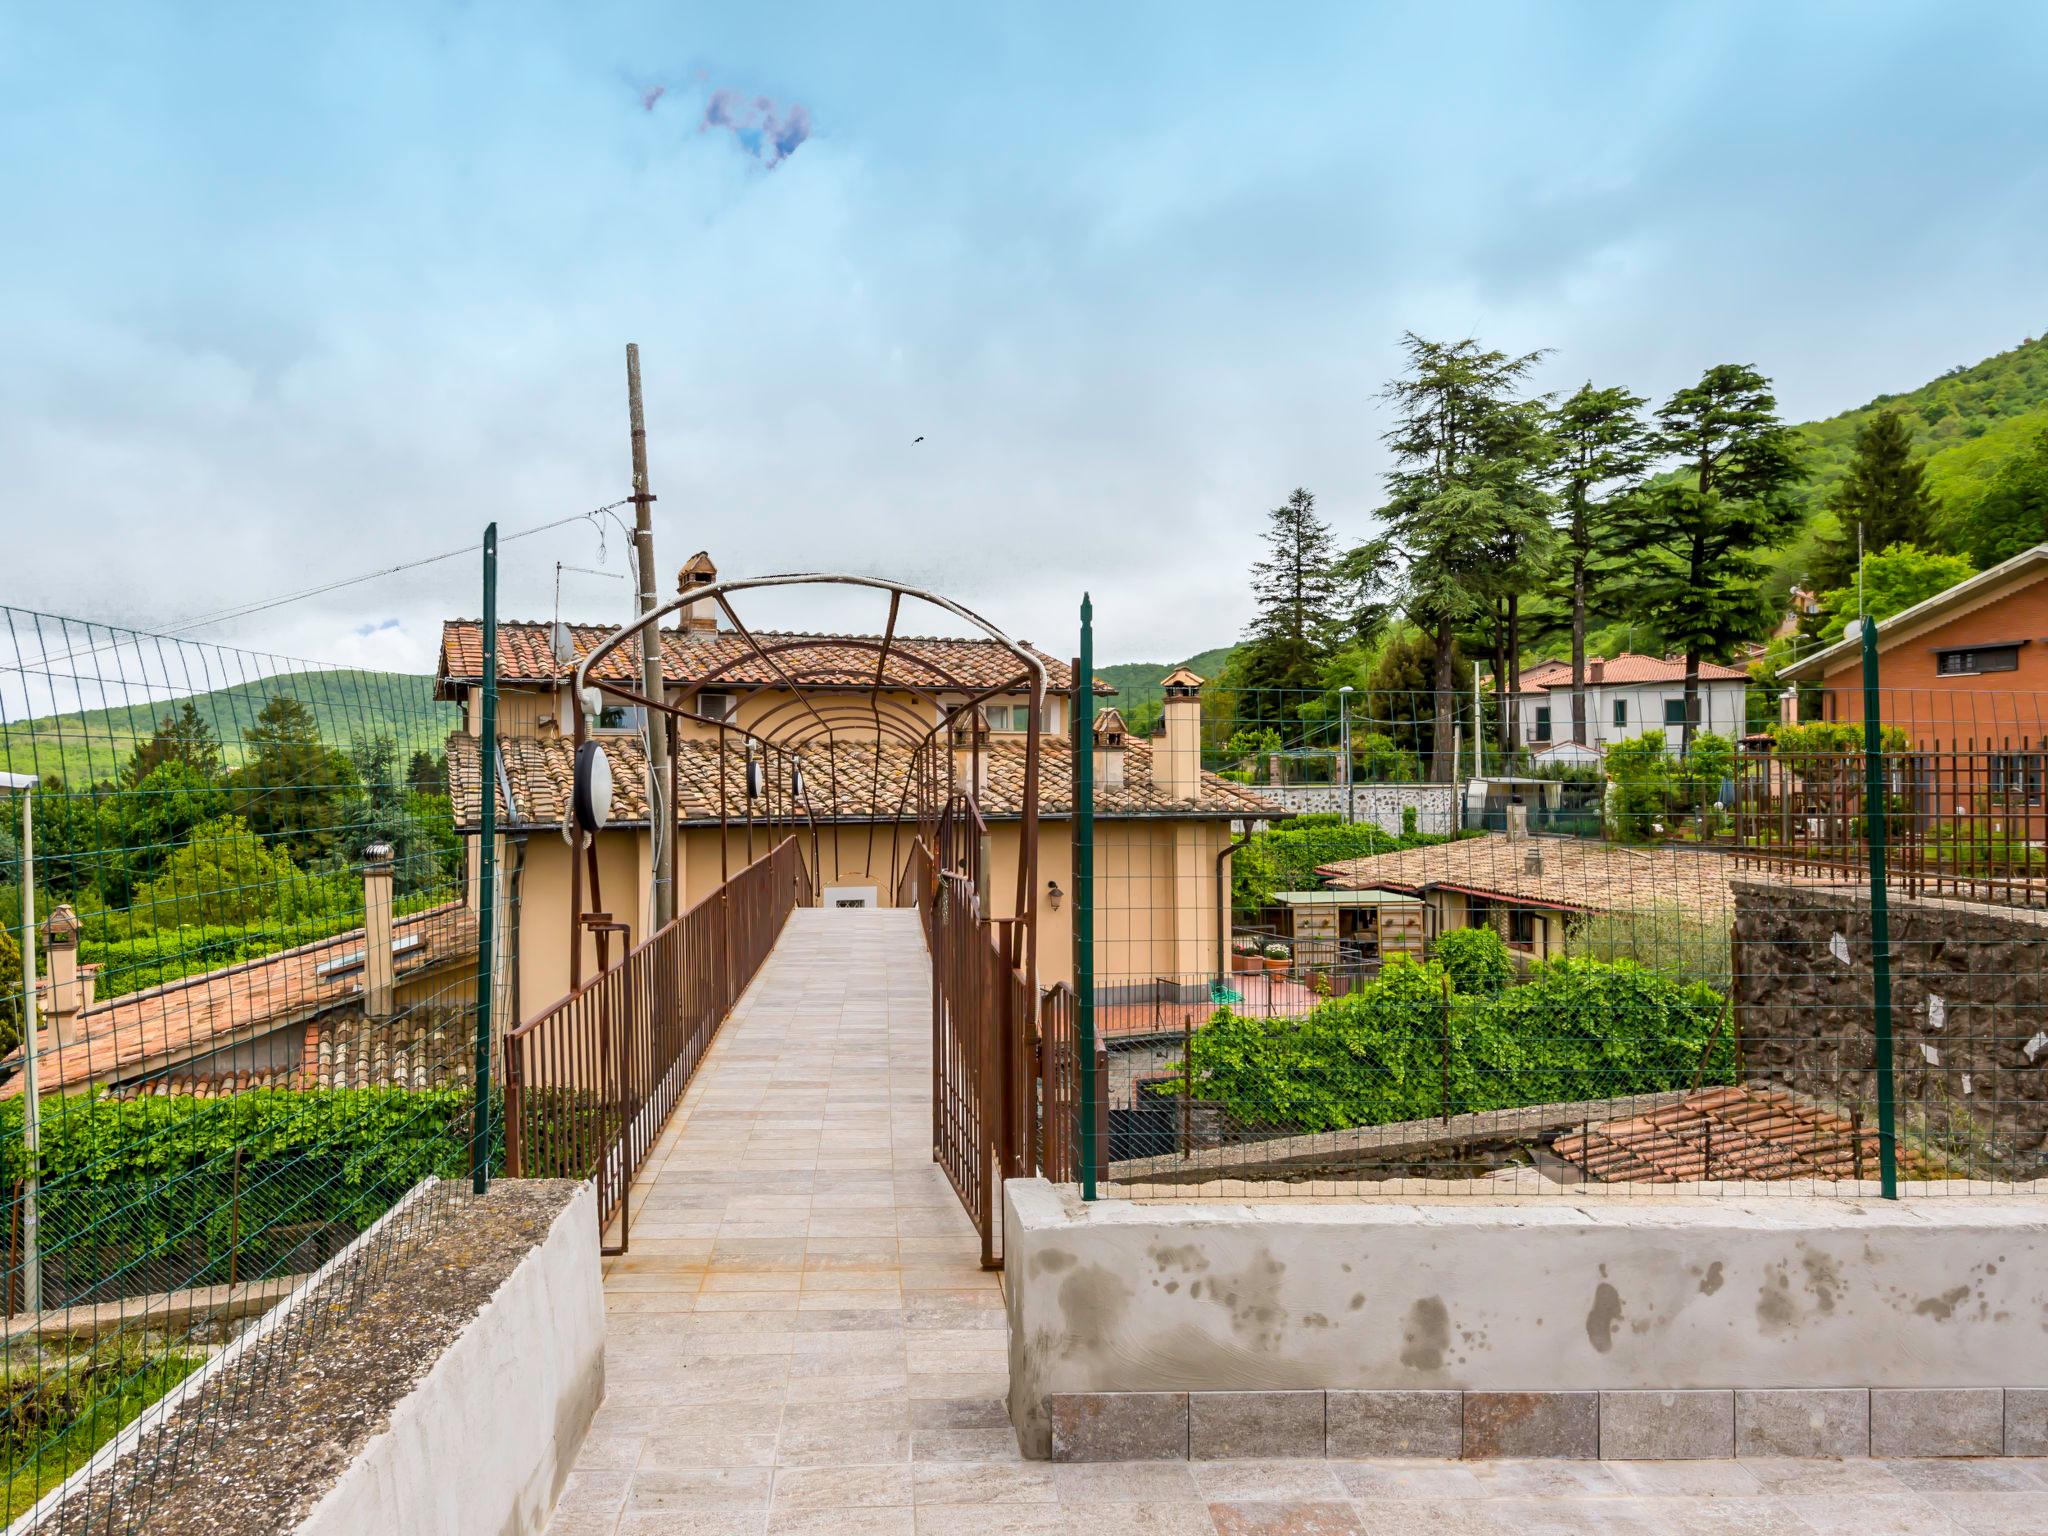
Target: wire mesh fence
(1692, 938)
(239, 973)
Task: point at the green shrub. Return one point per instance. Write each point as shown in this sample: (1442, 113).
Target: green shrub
(1286, 858)
(152, 1185)
(1476, 960)
(1411, 1045)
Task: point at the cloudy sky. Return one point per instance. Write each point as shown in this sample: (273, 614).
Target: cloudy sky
(295, 293)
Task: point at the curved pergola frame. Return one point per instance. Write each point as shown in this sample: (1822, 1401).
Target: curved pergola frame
(786, 730)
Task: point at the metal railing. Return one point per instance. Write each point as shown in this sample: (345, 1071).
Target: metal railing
(591, 1081)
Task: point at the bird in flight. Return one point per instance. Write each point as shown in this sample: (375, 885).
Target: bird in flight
(916, 440)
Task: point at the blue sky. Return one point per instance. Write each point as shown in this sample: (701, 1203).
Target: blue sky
(299, 292)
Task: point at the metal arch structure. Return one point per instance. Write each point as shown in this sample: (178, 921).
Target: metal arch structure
(1030, 676)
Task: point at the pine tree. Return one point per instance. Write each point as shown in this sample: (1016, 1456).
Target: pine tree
(1602, 448)
(1297, 588)
(1461, 499)
(1696, 535)
(1884, 490)
(180, 737)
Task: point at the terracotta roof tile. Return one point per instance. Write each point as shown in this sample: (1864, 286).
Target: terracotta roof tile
(541, 773)
(147, 1031)
(525, 655)
(1563, 872)
(1733, 1133)
(1626, 670)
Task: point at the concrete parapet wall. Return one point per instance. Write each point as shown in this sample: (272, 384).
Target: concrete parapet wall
(1533, 1310)
(486, 1439)
(1436, 805)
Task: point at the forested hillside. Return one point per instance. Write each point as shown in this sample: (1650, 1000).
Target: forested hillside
(347, 707)
(1967, 423)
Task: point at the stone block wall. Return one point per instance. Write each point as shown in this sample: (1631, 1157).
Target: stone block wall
(1436, 805)
(1969, 1010)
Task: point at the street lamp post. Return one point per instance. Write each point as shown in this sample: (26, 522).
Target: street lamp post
(1344, 723)
(31, 1105)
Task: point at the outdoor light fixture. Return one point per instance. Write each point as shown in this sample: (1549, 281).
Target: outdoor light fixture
(1053, 893)
(796, 780)
(593, 793)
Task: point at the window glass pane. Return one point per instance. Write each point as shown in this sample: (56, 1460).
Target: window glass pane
(1674, 711)
(1621, 714)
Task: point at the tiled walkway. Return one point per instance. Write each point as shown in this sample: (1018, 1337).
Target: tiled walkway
(801, 1340)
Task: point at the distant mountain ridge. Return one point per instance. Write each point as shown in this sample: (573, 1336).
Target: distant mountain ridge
(348, 705)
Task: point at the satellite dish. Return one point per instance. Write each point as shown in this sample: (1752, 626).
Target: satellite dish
(562, 643)
(796, 781)
(754, 785)
(593, 792)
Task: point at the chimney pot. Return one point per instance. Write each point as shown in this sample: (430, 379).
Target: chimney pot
(66, 994)
(1110, 739)
(1177, 761)
(378, 979)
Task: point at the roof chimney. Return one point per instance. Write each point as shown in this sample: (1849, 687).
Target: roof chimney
(68, 997)
(1177, 762)
(1109, 750)
(1595, 669)
(970, 752)
(1788, 707)
(378, 981)
(699, 617)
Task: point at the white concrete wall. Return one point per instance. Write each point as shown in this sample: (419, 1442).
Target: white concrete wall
(1380, 804)
(484, 1443)
(1722, 709)
(1547, 1294)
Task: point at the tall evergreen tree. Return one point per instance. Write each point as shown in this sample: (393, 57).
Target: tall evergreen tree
(1884, 491)
(1602, 448)
(1459, 497)
(1297, 588)
(181, 736)
(1696, 535)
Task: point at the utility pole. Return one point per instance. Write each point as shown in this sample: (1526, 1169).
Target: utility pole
(660, 816)
(31, 1115)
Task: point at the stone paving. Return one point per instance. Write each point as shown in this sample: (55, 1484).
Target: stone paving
(801, 1340)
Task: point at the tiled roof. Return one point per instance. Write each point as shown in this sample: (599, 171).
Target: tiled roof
(184, 1019)
(525, 655)
(541, 772)
(1568, 873)
(1732, 1133)
(1626, 670)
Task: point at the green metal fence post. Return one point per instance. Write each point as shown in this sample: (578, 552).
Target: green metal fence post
(487, 875)
(1084, 890)
(1880, 916)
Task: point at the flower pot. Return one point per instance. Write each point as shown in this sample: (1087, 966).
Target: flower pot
(1245, 962)
(1276, 967)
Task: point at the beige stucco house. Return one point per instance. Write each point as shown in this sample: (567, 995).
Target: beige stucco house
(1164, 826)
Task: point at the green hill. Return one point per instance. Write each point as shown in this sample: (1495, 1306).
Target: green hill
(349, 706)
(1968, 422)
(1137, 682)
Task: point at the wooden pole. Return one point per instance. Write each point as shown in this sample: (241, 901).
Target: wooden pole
(660, 817)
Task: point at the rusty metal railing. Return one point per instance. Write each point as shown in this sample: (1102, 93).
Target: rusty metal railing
(591, 1081)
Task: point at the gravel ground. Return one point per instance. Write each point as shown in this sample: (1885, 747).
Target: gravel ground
(258, 1449)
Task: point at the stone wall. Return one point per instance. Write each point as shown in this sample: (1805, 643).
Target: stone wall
(1436, 805)
(1969, 1009)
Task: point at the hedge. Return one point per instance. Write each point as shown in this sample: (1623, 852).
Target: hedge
(1410, 1046)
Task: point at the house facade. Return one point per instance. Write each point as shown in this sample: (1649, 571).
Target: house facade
(1964, 675)
(1626, 695)
(1163, 824)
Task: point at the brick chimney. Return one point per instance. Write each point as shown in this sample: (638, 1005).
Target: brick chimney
(1788, 707)
(69, 994)
(1109, 750)
(1595, 669)
(970, 752)
(378, 979)
(1177, 759)
(697, 618)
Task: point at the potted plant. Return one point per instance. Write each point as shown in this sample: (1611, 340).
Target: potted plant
(1244, 954)
(1278, 957)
